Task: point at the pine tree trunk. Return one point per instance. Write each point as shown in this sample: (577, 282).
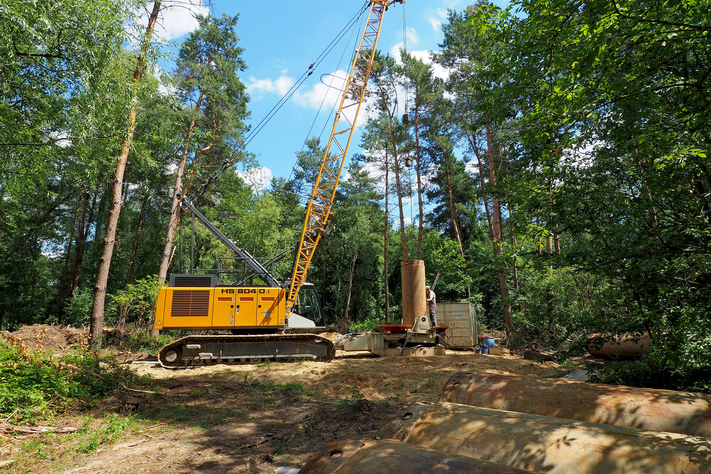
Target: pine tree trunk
(396, 167)
(67, 258)
(102, 276)
(350, 286)
(498, 235)
(420, 227)
(134, 247)
(85, 226)
(453, 215)
(175, 205)
(482, 184)
(386, 235)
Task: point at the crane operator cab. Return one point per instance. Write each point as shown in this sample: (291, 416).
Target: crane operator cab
(307, 309)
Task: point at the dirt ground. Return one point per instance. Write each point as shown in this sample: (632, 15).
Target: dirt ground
(255, 418)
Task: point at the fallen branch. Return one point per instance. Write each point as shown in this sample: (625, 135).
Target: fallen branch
(7, 428)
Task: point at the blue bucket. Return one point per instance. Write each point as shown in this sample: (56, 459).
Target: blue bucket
(484, 350)
(489, 342)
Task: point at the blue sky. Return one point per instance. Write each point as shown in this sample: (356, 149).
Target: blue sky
(282, 38)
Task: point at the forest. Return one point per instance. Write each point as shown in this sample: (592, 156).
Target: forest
(560, 174)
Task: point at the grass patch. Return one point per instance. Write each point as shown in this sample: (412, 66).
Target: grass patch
(60, 452)
(36, 386)
(355, 402)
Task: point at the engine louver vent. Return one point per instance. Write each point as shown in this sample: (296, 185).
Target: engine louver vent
(185, 280)
(190, 303)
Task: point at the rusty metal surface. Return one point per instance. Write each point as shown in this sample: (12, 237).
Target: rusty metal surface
(623, 346)
(646, 409)
(557, 446)
(414, 300)
(349, 456)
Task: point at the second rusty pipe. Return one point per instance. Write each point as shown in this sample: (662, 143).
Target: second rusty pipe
(646, 409)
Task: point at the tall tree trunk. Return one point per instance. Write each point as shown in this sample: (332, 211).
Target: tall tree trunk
(175, 205)
(322, 294)
(453, 214)
(482, 184)
(420, 226)
(102, 276)
(403, 238)
(498, 235)
(396, 167)
(84, 227)
(63, 283)
(385, 237)
(350, 285)
(134, 247)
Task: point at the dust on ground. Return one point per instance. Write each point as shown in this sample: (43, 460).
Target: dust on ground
(255, 418)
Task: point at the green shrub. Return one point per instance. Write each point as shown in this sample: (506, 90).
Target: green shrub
(35, 385)
(136, 339)
(136, 304)
(78, 311)
(369, 324)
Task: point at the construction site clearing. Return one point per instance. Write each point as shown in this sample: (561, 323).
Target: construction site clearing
(363, 413)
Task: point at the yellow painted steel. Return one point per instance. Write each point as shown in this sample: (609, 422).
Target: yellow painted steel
(220, 308)
(318, 211)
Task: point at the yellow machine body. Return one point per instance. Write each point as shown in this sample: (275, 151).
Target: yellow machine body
(221, 307)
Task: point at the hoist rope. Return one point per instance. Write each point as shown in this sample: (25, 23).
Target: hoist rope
(253, 133)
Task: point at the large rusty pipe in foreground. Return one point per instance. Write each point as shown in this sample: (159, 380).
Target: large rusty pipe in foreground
(552, 445)
(646, 409)
(349, 456)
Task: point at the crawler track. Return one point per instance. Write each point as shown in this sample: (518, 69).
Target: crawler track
(193, 351)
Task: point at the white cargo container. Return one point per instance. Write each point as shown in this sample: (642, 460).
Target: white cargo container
(461, 319)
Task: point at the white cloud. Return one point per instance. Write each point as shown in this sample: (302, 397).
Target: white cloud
(472, 168)
(279, 86)
(426, 57)
(178, 19)
(435, 22)
(411, 36)
(327, 95)
(324, 95)
(257, 178)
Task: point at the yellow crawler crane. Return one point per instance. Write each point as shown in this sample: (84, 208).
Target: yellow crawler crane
(258, 316)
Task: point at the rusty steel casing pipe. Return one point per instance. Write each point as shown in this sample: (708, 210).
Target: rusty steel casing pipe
(414, 300)
(646, 409)
(551, 445)
(350, 456)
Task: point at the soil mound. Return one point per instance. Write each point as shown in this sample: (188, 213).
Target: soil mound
(47, 337)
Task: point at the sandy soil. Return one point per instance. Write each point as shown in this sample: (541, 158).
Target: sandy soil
(255, 418)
